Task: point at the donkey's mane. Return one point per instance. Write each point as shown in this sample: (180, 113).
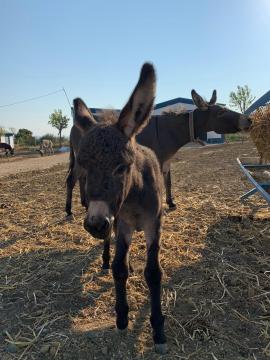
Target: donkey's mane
(108, 116)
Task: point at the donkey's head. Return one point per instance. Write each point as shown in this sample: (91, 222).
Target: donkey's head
(107, 152)
(217, 118)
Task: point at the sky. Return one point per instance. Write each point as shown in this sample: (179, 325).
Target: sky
(95, 49)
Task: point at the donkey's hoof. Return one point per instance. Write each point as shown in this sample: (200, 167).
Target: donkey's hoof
(122, 332)
(172, 206)
(161, 349)
(70, 217)
(105, 271)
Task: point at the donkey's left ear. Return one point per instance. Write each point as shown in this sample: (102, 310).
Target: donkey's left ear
(213, 98)
(199, 101)
(136, 112)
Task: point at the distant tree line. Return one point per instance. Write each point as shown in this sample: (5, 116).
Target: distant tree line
(24, 137)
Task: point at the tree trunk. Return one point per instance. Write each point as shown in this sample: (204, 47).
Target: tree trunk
(60, 138)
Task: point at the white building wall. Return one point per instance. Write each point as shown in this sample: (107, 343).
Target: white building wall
(213, 135)
(8, 140)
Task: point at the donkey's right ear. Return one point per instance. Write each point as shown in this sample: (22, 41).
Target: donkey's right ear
(83, 117)
(136, 112)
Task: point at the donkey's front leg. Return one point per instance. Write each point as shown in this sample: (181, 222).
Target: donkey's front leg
(82, 182)
(120, 275)
(106, 253)
(153, 276)
(70, 183)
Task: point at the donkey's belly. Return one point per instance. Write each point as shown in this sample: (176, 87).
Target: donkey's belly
(134, 218)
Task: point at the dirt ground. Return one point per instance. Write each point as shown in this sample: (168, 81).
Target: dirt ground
(9, 166)
(55, 303)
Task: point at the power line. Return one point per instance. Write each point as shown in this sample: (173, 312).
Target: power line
(67, 97)
(37, 97)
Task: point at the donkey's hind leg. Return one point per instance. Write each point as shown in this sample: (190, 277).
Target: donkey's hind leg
(153, 276)
(168, 186)
(70, 182)
(120, 275)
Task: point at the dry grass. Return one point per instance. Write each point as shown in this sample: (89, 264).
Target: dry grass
(56, 304)
(260, 131)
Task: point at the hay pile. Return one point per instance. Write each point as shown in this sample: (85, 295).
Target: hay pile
(176, 110)
(260, 132)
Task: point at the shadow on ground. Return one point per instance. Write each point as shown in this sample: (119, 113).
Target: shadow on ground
(216, 308)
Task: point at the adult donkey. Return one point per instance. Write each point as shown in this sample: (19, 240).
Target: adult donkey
(166, 134)
(124, 188)
(7, 149)
(46, 147)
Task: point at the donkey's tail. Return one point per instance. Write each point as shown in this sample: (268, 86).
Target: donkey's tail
(71, 160)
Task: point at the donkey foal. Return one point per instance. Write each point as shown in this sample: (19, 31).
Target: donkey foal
(124, 188)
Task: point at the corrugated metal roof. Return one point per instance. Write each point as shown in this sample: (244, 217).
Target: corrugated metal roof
(263, 100)
(173, 102)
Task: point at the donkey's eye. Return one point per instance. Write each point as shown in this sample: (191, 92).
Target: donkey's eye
(120, 170)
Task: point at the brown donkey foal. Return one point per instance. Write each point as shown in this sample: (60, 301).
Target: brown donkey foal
(124, 187)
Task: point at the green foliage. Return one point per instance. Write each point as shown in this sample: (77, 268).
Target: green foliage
(59, 121)
(242, 98)
(236, 137)
(24, 137)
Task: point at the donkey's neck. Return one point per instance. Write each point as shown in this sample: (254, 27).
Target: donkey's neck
(173, 133)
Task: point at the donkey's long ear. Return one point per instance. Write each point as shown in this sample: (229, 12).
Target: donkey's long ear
(198, 101)
(213, 98)
(136, 112)
(83, 117)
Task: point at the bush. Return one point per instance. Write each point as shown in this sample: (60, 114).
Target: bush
(25, 137)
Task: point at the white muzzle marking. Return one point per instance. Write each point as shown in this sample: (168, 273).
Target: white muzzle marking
(99, 209)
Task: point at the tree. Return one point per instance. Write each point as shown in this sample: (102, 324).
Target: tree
(242, 98)
(59, 121)
(24, 137)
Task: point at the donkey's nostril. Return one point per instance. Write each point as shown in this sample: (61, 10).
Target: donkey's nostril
(102, 224)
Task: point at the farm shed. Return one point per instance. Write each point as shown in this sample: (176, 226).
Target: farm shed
(7, 138)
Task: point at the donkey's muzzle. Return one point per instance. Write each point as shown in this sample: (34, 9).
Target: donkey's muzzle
(245, 122)
(99, 227)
